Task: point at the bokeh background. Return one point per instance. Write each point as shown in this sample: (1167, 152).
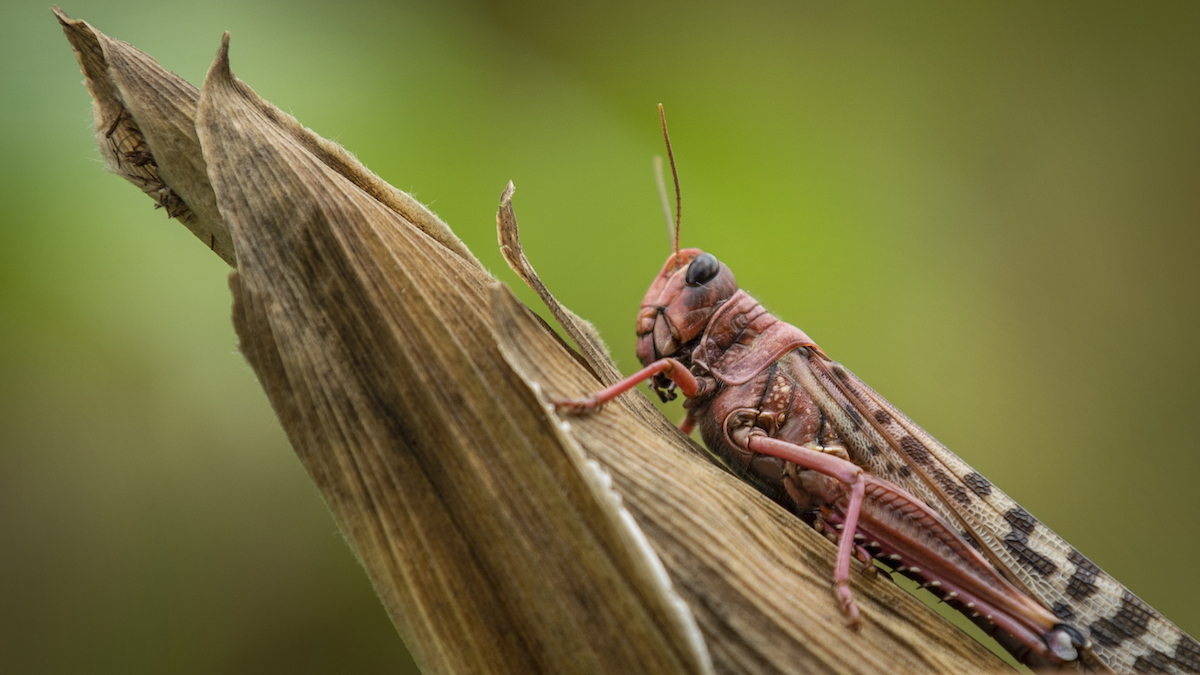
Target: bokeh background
(990, 212)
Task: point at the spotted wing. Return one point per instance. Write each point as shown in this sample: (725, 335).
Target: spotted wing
(1127, 634)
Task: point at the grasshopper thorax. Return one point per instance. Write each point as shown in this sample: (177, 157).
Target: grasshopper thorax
(680, 303)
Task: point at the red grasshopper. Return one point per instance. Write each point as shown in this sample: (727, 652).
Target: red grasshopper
(740, 369)
(820, 441)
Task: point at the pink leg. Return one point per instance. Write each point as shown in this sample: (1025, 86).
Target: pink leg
(843, 471)
(670, 367)
(841, 574)
(688, 424)
(956, 566)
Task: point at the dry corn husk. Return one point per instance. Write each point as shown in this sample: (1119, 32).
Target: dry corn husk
(413, 387)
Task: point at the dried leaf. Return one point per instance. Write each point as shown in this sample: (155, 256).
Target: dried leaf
(145, 128)
(138, 105)
(493, 545)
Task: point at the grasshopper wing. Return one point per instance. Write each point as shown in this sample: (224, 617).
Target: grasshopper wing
(1127, 634)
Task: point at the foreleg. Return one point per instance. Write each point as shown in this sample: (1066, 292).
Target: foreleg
(676, 371)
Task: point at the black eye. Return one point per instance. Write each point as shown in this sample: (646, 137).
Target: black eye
(702, 270)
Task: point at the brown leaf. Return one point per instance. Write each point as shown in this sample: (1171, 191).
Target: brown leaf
(137, 104)
(492, 545)
(145, 129)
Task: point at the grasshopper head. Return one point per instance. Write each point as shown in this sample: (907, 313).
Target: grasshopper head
(683, 297)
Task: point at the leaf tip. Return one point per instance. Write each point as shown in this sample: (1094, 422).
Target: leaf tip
(220, 70)
(74, 29)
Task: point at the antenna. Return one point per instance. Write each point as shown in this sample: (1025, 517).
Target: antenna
(674, 174)
(662, 197)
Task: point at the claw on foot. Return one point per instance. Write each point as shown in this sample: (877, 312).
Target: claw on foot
(576, 406)
(848, 606)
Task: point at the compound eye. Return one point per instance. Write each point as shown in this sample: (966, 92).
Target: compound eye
(702, 270)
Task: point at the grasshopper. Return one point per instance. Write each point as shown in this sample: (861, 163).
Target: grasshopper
(814, 437)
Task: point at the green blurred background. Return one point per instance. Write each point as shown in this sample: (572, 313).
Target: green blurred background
(988, 212)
